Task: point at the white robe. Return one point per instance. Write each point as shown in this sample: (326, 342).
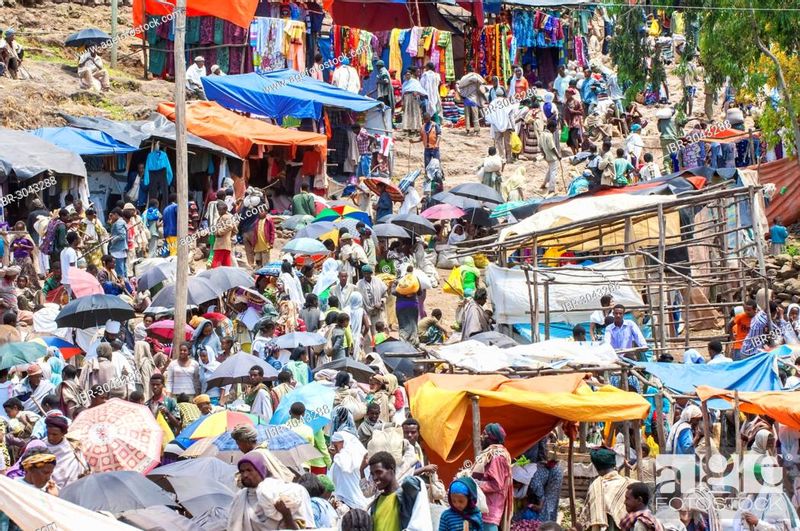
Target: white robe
(293, 288)
(430, 82)
(344, 472)
(68, 467)
(254, 509)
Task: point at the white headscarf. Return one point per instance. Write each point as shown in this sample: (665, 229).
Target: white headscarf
(344, 471)
(760, 443)
(356, 310)
(454, 238)
(328, 276)
(689, 413)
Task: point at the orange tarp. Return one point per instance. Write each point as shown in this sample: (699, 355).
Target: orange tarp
(526, 408)
(238, 133)
(239, 12)
(783, 173)
(783, 406)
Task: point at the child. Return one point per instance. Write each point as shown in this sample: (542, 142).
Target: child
(431, 332)
(777, 236)
(339, 337)
(622, 167)
(463, 499)
(380, 333)
(151, 218)
(650, 170)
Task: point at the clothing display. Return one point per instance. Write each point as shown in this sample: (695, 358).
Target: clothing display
(278, 43)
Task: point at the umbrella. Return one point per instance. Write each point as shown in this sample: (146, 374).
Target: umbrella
(507, 209)
(320, 203)
(87, 37)
(225, 278)
(316, 230)
(284, 443)
(456, 200)
(215, 316)
(157, 518)
(387, 230)
(480, 217)
(347, 223)
(222, 477)
(13, 354)
(218, 423)
(158, 273)
(495, 339)
(297, 222)
(318, 399)
(199, 289)
(83, 283)
(343, 211)
(477, 191)
(94, 311)
(442, 211)
(66, 348)
(115, 492)
(165, 329)
(305, 246)
(119, 435)
(360, 371)
(414, 223)
(387, 218)
(375, 183)
(236, 369)
(270, 270)
(397, 364)
(300, 339)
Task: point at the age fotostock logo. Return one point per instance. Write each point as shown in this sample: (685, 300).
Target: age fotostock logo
(734, 484)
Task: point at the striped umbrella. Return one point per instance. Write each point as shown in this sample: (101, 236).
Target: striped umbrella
(218, 423)
(66, 348)
(376, 183)
(408, 180)
(343, 211)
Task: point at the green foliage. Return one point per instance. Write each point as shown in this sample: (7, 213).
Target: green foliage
(792, 250)
(629, 51)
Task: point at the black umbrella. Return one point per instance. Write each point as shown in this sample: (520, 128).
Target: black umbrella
(387, 230)
(200, 290)
(360, 372)
(496, 339)
(88, 37)
(397, 346)
(456, 200)
(94, 311)
(236, 369)
(156, 275)
(478, 191)
(394, 354)
(414, 223)
(225, 278)
(479, 217)
(115, 492)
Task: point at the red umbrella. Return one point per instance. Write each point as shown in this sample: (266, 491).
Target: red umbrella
(374, 184)
(83, 283)
(443, 211)
(166, 329)
(215, 316)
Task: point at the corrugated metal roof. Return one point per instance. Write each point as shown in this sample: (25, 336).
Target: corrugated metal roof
(784, 203)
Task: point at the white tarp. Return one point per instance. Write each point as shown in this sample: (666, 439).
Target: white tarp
(479, 357)
(34, 510)
(574, 292)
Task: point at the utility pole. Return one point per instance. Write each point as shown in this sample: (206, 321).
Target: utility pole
(114, 44)
(181, 177)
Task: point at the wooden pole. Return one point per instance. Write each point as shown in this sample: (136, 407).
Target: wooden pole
(546, 309)
(535, 331)
(181, 174)
(571, 477)
(659, 400)
(476, 426)
(583, 431)
(706, 435)
(637, 440)
(114, 43)
(532, 311)
(762, 266)
(662, 314)
(737, 428)
(686, 301)
(626, 426)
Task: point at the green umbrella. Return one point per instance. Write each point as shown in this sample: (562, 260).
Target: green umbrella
(13, 354)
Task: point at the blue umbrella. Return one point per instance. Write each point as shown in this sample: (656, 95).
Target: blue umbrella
(318, 399)
(270, 270)
(87, 37)
(305, 246)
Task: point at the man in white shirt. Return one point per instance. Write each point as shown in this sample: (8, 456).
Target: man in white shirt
(11, 54)
(194, 74)
(499, 115)
(346, 77)
(69, 258)
(716, 355)
(91, 72)
(650, 170)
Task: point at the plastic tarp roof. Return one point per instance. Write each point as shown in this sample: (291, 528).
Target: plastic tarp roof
(526, 408)
(238, 133)
(756, 373)
(645, 228)
(573, 292)
(240, 12)
(785, 175)
(783, 406)
(281, 93)
(135, 132)
(26, 156)
(83, 141)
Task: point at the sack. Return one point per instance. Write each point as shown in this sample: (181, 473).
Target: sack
(481, 504)
(516, 143)
(356, 407)
(481, 262)
(436, 489)
(387, 440)
(408, 285)
(446, 258)
(564, 134)
(453, 286)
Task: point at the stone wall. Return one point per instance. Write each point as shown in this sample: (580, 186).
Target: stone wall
(785, 270)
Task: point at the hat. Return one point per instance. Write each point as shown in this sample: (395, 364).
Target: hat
(495, 432)
(201, 399)
(38, 460)
(216, 68)
(345, 61)
(13, 271)
(256, 460)
(346, 236)
(367, 269)
(636, 127)
(33, 369)
(112, 327)
(337, 437)
(129, 206)
(10, 32)
(603, 458)
(199, 58)
(380, 64)
(57, 421)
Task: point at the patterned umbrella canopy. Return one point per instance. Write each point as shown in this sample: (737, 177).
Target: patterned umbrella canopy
(66, 348)
(218, 423)
(343, 211)
(119, 435)
(375, 184)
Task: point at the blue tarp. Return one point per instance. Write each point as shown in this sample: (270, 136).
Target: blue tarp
(279, 93)
(83, 141)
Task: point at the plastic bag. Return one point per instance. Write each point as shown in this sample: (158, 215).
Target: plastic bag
(564, 134)
(516, 143)
(408, 285)
(481, 261)
(453, 284)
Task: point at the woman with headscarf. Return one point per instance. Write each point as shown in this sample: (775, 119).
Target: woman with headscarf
(342, 419)
(573, 116)
(348, 455)
(16, 471)
(208, 364)
(492, 472)
(359, 323)
(288, 318)
(463, 514)
(326, 279)
(456, 235)
(205, 336)
(397, 399)
(791, 331)
(145, 365)
(56, 362)
(379, 394)
(470, 276)
(291, 284)
(70, 465)
(683, 437)
(512, 187)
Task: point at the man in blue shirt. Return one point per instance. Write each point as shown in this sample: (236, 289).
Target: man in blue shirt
(623, 333)
(778, 235)
(171, 224)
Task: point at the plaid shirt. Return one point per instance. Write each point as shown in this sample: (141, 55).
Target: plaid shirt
(363, 140)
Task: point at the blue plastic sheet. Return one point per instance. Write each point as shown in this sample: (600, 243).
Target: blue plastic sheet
(83, 141)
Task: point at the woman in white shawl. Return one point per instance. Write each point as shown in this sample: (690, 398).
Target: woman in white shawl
(412, 112)
(328, 276)
(681, 436)
(291, 284)
(345, 472)
(457, 235)
(358, 319)
(69, 463)
(145, 365)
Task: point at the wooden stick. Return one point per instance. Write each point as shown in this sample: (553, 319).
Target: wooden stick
(533, 312)
(662, 314)
(626, 426)
(706, 435)
(637, 440)
(737, 428)
(535, 329)
(571, 477)
(662, 441)
(476, 426)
